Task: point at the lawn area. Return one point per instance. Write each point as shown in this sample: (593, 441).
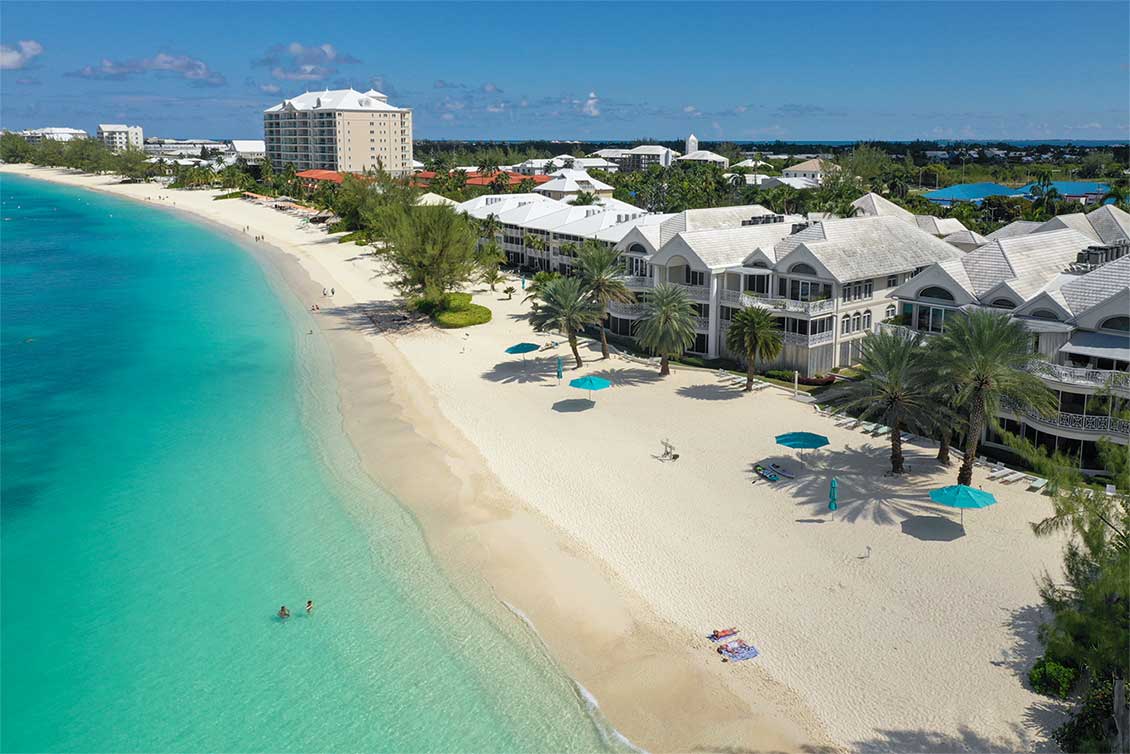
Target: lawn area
(458, 311)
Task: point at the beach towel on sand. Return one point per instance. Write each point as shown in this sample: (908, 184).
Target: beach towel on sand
(738, 650)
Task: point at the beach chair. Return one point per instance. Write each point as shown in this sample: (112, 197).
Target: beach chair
(1111, 490)
(868, 427)
(1015, 476)
(843, 421)
(883, 431)
(906, 436)
(1037, 484)
(1000, 472)
(759, 385)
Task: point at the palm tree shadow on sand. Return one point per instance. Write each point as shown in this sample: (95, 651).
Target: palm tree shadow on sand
(866, 492)
(536, 369)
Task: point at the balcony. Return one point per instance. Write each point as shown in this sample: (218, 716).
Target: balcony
(621, 309)
(823, 306)
(1103, 425)
(696, 292)
(638, 281)
(702, 323)
(1096, 378)
(800, 339)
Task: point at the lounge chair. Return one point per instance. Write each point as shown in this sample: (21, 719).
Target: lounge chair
(883, 431)
(1015, 476)
(843, 421)
(1000, 472)
(868, 427)
(906, 436)
(1037, 484)
(759, 385)
(1111, 490)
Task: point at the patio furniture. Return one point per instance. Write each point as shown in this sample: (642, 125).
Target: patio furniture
(1037, 484)
(1000, 472)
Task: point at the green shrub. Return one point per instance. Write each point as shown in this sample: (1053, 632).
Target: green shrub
(229, 195)
(785, 375)
(358, 237)
(1090, 727)
(1052, 679)
(472, 314)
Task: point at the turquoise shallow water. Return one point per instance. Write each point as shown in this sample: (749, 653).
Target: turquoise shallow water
(173, 469)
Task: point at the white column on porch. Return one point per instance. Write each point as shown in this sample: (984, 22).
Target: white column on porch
(715, 315)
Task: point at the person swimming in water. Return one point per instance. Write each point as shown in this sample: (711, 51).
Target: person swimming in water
(309, 606)
(284, 613)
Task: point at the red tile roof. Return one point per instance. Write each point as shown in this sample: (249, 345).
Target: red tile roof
(478, 179)
(321, 175)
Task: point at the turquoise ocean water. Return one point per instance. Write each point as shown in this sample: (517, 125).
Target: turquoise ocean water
(173, 470)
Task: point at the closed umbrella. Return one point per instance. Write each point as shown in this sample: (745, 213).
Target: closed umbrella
(833, 494)
(960, 496)
(590, 383)
(560, 371)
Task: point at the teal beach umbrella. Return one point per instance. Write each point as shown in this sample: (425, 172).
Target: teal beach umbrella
(802, 440)
(962, 497)
(590, 383)
(522, 348)
(560, 371)
(833, 494)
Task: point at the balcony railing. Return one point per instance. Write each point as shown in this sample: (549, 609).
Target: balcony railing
(1080, 375)
(638, 281)
(1077, 422)
(621, 309)
(822, 306)
(696, 292)
(702, 323)
(800, 339)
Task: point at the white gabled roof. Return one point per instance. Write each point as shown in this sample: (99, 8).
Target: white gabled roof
(1029, 262)
(610, 153)
(1013, 229)
(114, 127)
(1092, 289)
(567, 214)
(712, 217)
(801, 184)
(865, 247)
(721, 248)
(592, 225)
(495, 204)
(650, 149)
(939, 226)
(432, 200)
(873, 205)
(705, 155)
(812, 166)
(337, 99)
(751, 163)
(966, 238)
(1105, 225)
(571, 182)
(249, 145)
(616, 233)
(524, 213)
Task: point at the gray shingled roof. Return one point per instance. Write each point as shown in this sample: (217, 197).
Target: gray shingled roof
(1107, 224)
(719, 248)
(865, 247)
(1031, 261)
(1013, 229)
(873, 205)
(1097, 286)
(713, 217)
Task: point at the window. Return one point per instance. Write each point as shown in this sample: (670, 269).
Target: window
(694, 277)
(856, 322)
(802, 269)
(892, 281)
(845, 324)
(1044, 314)
(1116, 323)
(890, 313)
(941, 294)
(867, 320)
(1002, 303)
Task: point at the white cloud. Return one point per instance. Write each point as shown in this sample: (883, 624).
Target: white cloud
(12, 58)
(447, 116)
(196, 71)
(591, 107)
(270, 88)
(297, 62)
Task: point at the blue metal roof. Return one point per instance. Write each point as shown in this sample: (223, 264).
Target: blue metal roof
(1071, 188)
(970, 192)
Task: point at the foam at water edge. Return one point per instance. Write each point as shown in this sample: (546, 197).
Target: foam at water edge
(607, 732)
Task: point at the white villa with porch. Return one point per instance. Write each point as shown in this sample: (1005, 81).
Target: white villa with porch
(1073, 295)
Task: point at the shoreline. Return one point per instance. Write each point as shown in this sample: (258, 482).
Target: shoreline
(488, 542)
(622, 564)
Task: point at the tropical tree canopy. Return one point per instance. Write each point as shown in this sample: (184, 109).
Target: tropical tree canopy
(565, 305)
(430, 252)
(667, 325)
(754, 334)
(602, 272)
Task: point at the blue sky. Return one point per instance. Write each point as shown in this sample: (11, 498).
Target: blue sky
(739, 71)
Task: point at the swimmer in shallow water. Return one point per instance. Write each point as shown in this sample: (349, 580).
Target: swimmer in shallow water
(284, 613)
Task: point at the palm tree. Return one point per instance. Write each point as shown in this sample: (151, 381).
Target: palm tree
(754, 334)
(667, 326)
(537, 283)
(500, 184)
(565, 306)
(984, 355)
(488, 165)
(1120, 195)
(894, 386)
(584, 198)
(602, 273)
(489, 226)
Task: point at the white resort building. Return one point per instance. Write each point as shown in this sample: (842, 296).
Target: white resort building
(52, 133)
(1071, 290)
(639, 158)
(118, 136)
(705, 155)
(814, 169)
(342, 130)
(568, 184)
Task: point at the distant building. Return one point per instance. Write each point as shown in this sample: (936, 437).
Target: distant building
(800, 184)
(118, 136)
(250, 150)
(691, 144)
(1087, 192)
(814, 170)
(52, 133)
(639, 158)
(567, 184)
(341, 129)
(182, 147)
(705, 155)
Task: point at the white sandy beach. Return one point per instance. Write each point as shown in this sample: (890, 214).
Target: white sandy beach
(880, 625)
